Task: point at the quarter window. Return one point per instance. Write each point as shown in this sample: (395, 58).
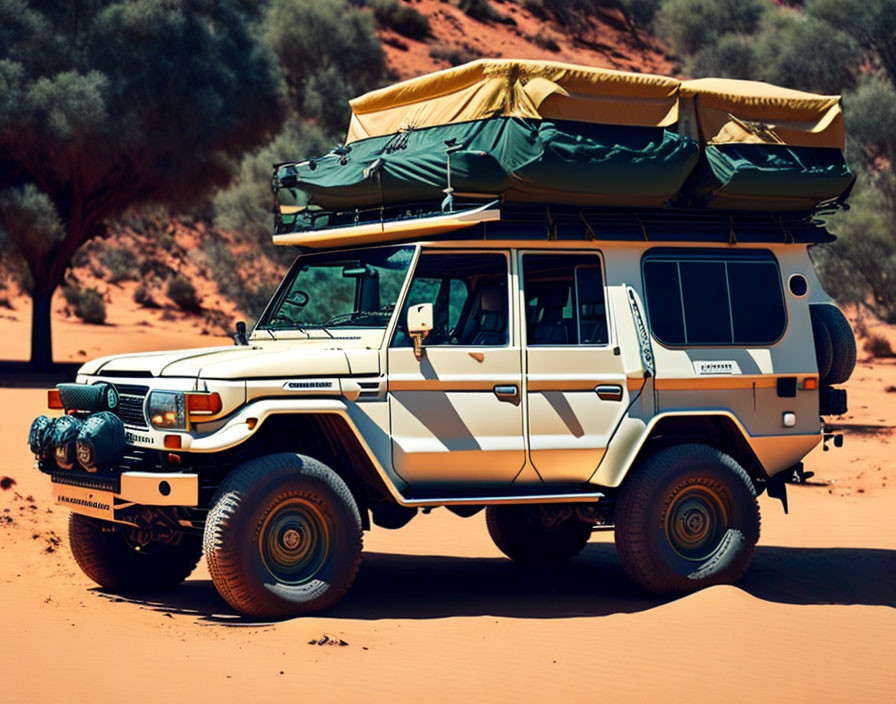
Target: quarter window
(716, 301)
(564, 300)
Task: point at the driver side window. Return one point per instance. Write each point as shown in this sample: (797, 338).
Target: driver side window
(469, 297)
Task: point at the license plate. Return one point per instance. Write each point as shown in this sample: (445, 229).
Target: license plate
(88, 502)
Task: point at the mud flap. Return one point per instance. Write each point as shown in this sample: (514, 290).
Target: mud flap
(776, 486)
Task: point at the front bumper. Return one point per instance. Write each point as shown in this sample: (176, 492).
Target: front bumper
(111, 498)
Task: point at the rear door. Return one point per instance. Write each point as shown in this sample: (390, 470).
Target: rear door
(575, 384)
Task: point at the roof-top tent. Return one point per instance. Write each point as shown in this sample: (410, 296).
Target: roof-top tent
(543, 137)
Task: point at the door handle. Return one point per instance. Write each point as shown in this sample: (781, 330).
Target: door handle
(508, 392)
(609, 392)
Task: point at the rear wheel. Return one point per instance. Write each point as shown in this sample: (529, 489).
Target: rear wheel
(120, 558)
(687, 519)
(283, 537)
(537, 535)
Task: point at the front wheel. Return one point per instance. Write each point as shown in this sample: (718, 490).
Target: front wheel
(283, 537)
(687, 519)
(120, 558)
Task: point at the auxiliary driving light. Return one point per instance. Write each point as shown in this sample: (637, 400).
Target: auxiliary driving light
(65, 432)
(39, 438)
(100, 442)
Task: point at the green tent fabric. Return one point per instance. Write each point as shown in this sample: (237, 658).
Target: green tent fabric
(517, 159)
(767, 176)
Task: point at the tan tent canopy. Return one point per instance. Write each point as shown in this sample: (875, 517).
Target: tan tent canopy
(516, 88)
(728, 110)
(715, 110)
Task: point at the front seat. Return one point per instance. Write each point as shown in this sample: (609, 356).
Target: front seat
(487, 322)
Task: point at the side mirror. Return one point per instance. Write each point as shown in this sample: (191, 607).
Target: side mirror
(419, 326)
(239, 337)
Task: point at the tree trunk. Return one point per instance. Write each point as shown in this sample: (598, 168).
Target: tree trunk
(41, 333)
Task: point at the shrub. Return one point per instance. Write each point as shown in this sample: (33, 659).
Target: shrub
(878, 346)
(454, 55)
(482, 11)
(404, 19)
(691, 25)
(143, 296)
(181, 290)
(87, 304)
(120, 263)
(544, 41)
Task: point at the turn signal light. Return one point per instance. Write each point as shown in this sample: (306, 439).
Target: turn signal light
(172, 442)
(204, 404)
(810, 384)
(54, 399)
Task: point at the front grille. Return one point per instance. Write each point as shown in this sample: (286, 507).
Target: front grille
(88, 481)
(130, 405)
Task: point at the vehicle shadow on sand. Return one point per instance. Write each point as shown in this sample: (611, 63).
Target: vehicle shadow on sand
(393, 586)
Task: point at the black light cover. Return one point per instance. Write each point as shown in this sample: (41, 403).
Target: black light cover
(65, 432)
(39, 438)
(101, 396)
(100, 441)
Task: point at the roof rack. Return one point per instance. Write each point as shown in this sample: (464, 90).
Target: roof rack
(494, 220)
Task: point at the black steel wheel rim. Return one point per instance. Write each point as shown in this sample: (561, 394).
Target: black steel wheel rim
(696, 521)
(295, 541)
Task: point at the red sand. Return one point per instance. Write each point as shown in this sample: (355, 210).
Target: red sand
(437, 614)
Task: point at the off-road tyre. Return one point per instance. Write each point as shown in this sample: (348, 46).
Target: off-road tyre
(687, 518)
(283, 537)
(517, 532)
(824, 347)
(106, 554)
(843, 343)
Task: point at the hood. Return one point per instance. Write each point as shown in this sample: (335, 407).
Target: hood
(280, 359)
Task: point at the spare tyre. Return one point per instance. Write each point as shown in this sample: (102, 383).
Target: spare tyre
(843, 342)
(824, 348)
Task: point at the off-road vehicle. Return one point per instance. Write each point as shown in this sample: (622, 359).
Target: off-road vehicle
(567, 368)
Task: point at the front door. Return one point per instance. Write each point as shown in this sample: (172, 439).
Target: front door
(456, 413)
(575, 384)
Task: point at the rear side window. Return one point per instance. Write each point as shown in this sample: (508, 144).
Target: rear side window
(717, 301)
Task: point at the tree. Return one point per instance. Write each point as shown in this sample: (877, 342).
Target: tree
(328, 53)
(107, 104)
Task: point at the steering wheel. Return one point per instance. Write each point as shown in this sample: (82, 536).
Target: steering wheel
(298, 298)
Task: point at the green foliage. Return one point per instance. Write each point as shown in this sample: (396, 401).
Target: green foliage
(29, 225)
(860, 267)
(88, 304)
(732, 56)
(803, 52)
(328, 53)
(871, 117)
(182, 292)
(250, 299)
(120, 262)
(245, 207)
(481, 10)
(107, 104)
(403, 18)
(453, 54)
(872, 23)
(692, 25)
(640, 12)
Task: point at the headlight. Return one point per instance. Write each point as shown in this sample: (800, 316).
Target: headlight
(168, 410)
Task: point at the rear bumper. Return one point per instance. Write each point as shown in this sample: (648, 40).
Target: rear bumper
(105, 498)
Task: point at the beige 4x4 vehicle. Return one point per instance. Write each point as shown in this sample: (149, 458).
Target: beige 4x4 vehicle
(644, 377)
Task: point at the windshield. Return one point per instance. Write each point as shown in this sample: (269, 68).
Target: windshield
(354, 289)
